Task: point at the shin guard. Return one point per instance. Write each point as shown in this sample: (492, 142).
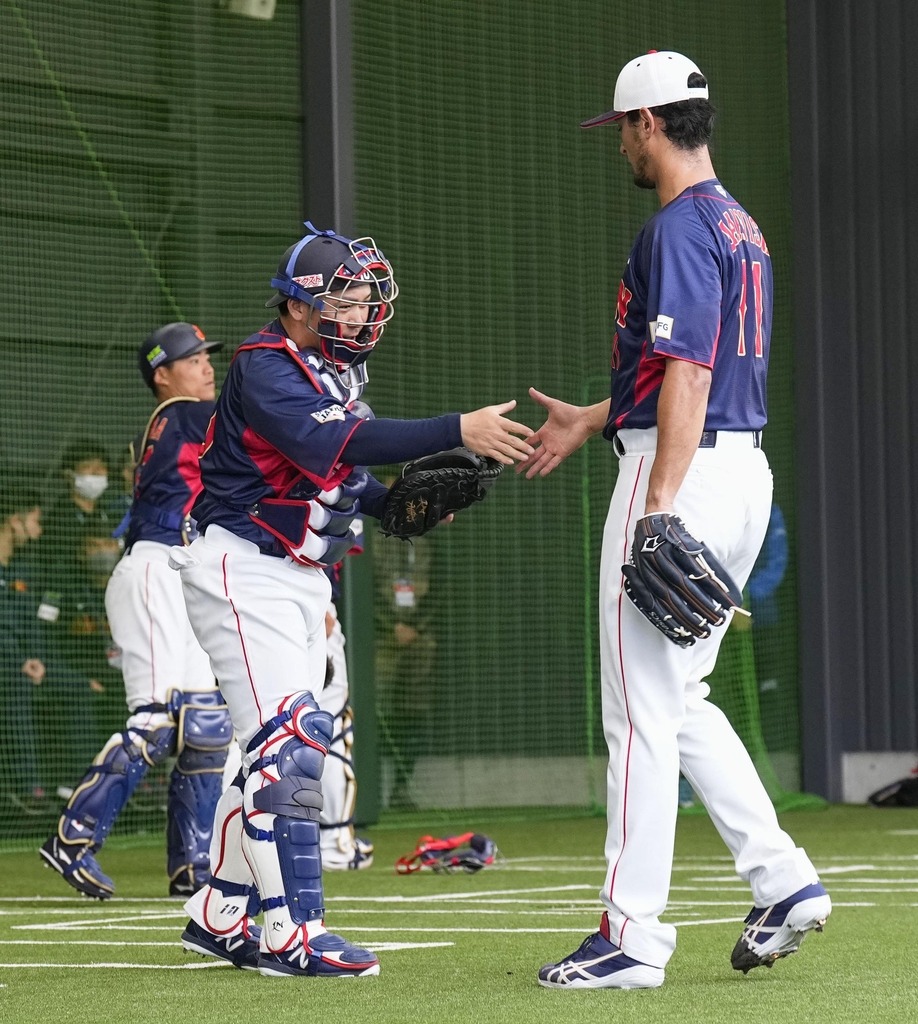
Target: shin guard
(204, 736)
(230, 899)
(112, 778)
(282, 803)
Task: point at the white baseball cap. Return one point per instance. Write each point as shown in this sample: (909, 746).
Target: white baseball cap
(652, 80)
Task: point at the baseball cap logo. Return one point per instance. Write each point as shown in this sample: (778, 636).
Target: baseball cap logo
(199, 333)
(156, 356)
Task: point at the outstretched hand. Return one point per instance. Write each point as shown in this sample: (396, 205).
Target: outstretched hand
(488, 432)
(565, 430)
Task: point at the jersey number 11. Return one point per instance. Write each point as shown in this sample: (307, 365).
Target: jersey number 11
(759, 303)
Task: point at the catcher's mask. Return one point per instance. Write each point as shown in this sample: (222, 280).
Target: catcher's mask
(332, 274)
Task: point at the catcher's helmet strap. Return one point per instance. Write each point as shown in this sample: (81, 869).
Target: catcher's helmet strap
(287, 286)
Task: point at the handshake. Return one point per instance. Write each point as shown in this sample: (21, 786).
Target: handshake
(430, 490)
(490, 433)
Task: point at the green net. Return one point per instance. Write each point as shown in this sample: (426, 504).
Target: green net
(151, 165)
(508, 228)
(151, 156)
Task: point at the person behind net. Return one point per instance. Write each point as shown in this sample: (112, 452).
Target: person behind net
(175, 708)
(23, 654)
(283, 482)
(689, 367)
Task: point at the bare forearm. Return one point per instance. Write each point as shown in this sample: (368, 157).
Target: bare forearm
(597, 415)
(681, 413)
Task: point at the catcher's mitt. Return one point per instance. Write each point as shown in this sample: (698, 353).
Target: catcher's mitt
(432, 487)
(448, 855)
(676, 582)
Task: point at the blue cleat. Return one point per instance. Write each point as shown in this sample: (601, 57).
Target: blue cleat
(240, 950)
(78, 867)
(325, 956)
(777, 931)
(598, 963)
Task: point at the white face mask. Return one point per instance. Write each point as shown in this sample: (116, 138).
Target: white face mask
(89, 485)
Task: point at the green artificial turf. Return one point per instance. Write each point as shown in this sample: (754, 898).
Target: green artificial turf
(862, 968)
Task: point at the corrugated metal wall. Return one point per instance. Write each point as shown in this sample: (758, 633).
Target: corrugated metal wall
(854, 136)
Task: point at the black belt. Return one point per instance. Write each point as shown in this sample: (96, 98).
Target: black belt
(708, 440)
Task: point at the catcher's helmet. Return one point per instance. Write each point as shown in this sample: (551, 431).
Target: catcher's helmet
(320, 270)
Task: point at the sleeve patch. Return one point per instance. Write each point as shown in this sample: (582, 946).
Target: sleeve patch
(664, 328)
(326, 415)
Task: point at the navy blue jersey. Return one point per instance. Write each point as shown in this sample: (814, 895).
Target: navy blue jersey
(167, 480)
(280, 423)
(698, 287)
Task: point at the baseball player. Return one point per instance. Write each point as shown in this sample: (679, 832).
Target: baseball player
(685, 418)
(283, 483)
(341, 849)
(174, 704)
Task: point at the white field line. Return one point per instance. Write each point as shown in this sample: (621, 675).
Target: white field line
(84, 900)
(558, 869)
(543, 860)
(94, 922)
(376, 947)
(902, 832)
(82, 942)
(455, 895)
(142, 967)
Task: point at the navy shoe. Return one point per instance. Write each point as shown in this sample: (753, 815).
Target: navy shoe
(325, 956)
(240, 950)
(777, 931)
(78, 867)
(599, 963)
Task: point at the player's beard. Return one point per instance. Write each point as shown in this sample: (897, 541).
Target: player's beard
(641, 173)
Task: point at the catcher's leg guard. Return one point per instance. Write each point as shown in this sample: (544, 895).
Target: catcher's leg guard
(341, 850)
(221, 912)
(204, 736)
(282, 801)
(106, 787)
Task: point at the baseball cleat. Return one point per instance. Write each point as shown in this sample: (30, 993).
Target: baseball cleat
(78, 867)
(240, 950)
(324, 956)
(362, 857)
(777, 931)
(598, 963)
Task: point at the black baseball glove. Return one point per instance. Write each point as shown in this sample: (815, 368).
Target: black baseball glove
(432, 487)
(676, 582)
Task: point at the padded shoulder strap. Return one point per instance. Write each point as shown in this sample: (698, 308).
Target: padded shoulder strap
(282, 344)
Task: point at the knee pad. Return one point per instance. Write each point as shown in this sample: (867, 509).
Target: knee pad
(204, 734)
(111, 779)
(295, 799)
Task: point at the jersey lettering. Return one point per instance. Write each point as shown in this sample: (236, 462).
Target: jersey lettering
(759, 303)
(759, 298)
(738, 226)
(624, 298)
(741, 348)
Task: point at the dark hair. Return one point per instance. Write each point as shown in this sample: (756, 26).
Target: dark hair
(17, 494)
(687, 124)
(83, 450)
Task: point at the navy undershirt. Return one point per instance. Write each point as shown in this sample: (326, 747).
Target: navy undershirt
(382, 442)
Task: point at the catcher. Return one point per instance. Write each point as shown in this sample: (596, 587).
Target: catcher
(283, 482)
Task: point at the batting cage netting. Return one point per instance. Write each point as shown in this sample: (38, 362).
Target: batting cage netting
(152, 164)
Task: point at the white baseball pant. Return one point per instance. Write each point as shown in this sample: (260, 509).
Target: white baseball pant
(656, 716)
(339, 784)
(148, 620)
(262, 621)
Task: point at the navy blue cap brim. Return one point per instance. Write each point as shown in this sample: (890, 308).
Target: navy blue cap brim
(607, 118)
